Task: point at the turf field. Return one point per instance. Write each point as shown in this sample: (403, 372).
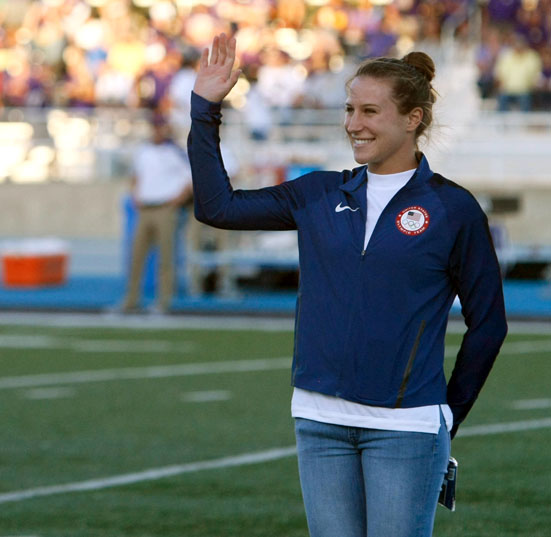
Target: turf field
(185, 432)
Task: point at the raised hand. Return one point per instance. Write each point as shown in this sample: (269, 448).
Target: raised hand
(216, 78)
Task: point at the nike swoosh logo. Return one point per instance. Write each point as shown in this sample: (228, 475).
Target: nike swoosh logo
(339, 208)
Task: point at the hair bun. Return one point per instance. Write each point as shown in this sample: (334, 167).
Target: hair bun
(422, 62)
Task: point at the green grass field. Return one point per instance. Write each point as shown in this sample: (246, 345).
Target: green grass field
(89, 404)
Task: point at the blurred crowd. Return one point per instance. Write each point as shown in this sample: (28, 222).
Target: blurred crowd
(514, 54)
(143, 53)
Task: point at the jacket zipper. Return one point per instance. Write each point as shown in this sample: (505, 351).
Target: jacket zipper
(385, 209)
(409, 366)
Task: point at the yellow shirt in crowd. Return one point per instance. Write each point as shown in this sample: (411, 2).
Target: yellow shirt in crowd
(518, 71)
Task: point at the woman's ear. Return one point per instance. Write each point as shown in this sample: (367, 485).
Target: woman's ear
(415, 117)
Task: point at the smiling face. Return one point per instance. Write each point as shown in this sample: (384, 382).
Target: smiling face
(380, 136)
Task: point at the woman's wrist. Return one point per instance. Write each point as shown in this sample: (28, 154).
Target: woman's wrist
(211, 98)
(207, 98)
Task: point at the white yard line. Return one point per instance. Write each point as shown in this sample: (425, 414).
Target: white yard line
(130, 346)
(134, 373)
(203, 322)
(510, 349)
(149, 475)
(29, 341)
(498, 428)
(32, 341)
(178, 370)
(530, 327)
(40, 394)
(531, 404)
(146, 322)
(207, 396)
(526, 347)
(228, 462)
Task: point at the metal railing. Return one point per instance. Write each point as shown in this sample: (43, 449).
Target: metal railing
(96, 145)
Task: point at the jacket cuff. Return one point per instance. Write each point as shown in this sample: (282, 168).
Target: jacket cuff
(204, 110)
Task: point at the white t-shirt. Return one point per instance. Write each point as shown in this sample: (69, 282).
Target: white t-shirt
(162, 172)
(329, 409)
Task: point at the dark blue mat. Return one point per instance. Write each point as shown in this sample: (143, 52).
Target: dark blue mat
(87, 293)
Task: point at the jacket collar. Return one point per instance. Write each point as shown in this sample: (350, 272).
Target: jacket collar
(422, 174)
(359, 177)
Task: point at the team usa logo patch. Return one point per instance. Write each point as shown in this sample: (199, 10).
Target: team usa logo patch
(413, 220)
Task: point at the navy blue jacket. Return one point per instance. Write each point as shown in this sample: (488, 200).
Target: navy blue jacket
(370, 324)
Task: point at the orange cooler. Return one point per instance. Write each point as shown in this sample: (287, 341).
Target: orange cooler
(34, 270)
(34, 262)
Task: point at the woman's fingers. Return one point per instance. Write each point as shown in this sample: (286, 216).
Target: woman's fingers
(204, 62)
(231, 50)
(223, 49)
(214, 53)
(234, 77)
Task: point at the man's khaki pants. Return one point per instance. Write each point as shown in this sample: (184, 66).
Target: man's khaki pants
(156, 227)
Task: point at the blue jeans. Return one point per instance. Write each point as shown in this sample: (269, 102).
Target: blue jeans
(506, 101)
(365, 482)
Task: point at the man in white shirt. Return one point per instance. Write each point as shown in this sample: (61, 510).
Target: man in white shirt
(161, 185)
